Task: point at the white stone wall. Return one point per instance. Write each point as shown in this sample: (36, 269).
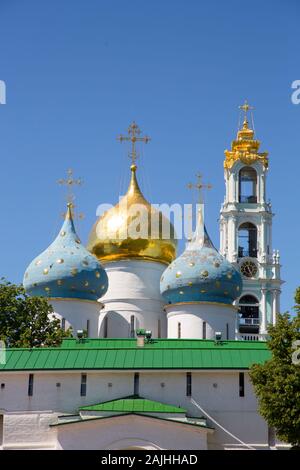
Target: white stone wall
(26, 418)
(192, 315)
(130, 432)
(77, 313)
(133, 290)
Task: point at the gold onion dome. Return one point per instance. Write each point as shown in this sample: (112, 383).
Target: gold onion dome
(123, 233)
(245, 147)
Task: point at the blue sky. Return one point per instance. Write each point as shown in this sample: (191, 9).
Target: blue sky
(77, 73)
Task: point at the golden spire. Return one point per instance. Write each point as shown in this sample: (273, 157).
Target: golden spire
(245, 107)
(69, 182)
(245, 148)
(133, 137)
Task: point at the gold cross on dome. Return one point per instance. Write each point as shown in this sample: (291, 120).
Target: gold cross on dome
(246, 107)
(199, 185)
(69, 182)
(133, 137)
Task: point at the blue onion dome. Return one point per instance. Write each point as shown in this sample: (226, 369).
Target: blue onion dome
(66, 269)
(201, 273)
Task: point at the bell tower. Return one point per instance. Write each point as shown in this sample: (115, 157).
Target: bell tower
(246, 231)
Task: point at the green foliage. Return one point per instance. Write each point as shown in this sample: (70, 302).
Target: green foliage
(277, 381)
(25, 321)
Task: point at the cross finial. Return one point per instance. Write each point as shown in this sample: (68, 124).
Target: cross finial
(69, 182)
(133, 137)
(246, 107)
(199, 185)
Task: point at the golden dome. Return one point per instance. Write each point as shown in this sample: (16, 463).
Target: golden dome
(245, 147)
(133, 229)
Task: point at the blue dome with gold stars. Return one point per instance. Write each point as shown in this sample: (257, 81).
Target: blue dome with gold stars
(200, 274)
(66, 269)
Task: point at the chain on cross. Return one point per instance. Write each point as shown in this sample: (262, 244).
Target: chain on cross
(133, 137)
(70, 182)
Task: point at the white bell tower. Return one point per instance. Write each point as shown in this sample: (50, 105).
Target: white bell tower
(246, 233)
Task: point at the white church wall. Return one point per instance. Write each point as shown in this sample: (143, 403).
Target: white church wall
(133, 291)
(221, 318)
(130, 432)
(78, 314)
(65, 398)
(29, 430)
(216, 391)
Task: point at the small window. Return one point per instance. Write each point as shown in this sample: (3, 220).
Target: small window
(136, 383)
(105, 327)
(83, 385)
(63, 324)
(132, 326)
(88, 328)
(241, 384)
(30, 385)
(188, 384)
(179, 330)
(204, 330)
(1, 429)
(158, 328)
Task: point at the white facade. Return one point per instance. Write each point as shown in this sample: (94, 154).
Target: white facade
(260, 266)
(133, 300)
(26, 420)
(201, 320)
(78, 314)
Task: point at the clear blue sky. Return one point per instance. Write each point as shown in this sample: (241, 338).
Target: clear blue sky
(78, 72)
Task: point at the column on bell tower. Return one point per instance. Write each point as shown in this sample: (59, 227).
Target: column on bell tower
(246, 230)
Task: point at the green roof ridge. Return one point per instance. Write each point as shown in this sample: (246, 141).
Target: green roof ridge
(133, 404)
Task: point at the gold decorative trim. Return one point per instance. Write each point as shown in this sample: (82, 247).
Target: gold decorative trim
(74, 299)
(133, 258)
(245, 148)
(203, 303)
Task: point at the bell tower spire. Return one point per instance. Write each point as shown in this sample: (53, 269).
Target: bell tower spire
(246, 231)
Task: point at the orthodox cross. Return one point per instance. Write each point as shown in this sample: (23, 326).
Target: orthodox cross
(199, 185)
(69, 182)
(133, 137)
(246, 107)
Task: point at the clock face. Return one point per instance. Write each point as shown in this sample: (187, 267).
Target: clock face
(248, 269)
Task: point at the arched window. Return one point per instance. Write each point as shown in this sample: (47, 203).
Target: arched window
(249, 314)
(132, 326)
(247, 185)
(247, 240)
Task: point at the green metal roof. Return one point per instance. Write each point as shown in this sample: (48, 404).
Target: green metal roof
(134, 404)
(87, 420)
(118, 354)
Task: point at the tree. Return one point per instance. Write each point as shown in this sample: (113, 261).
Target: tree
(25, 321)
(277, 381)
